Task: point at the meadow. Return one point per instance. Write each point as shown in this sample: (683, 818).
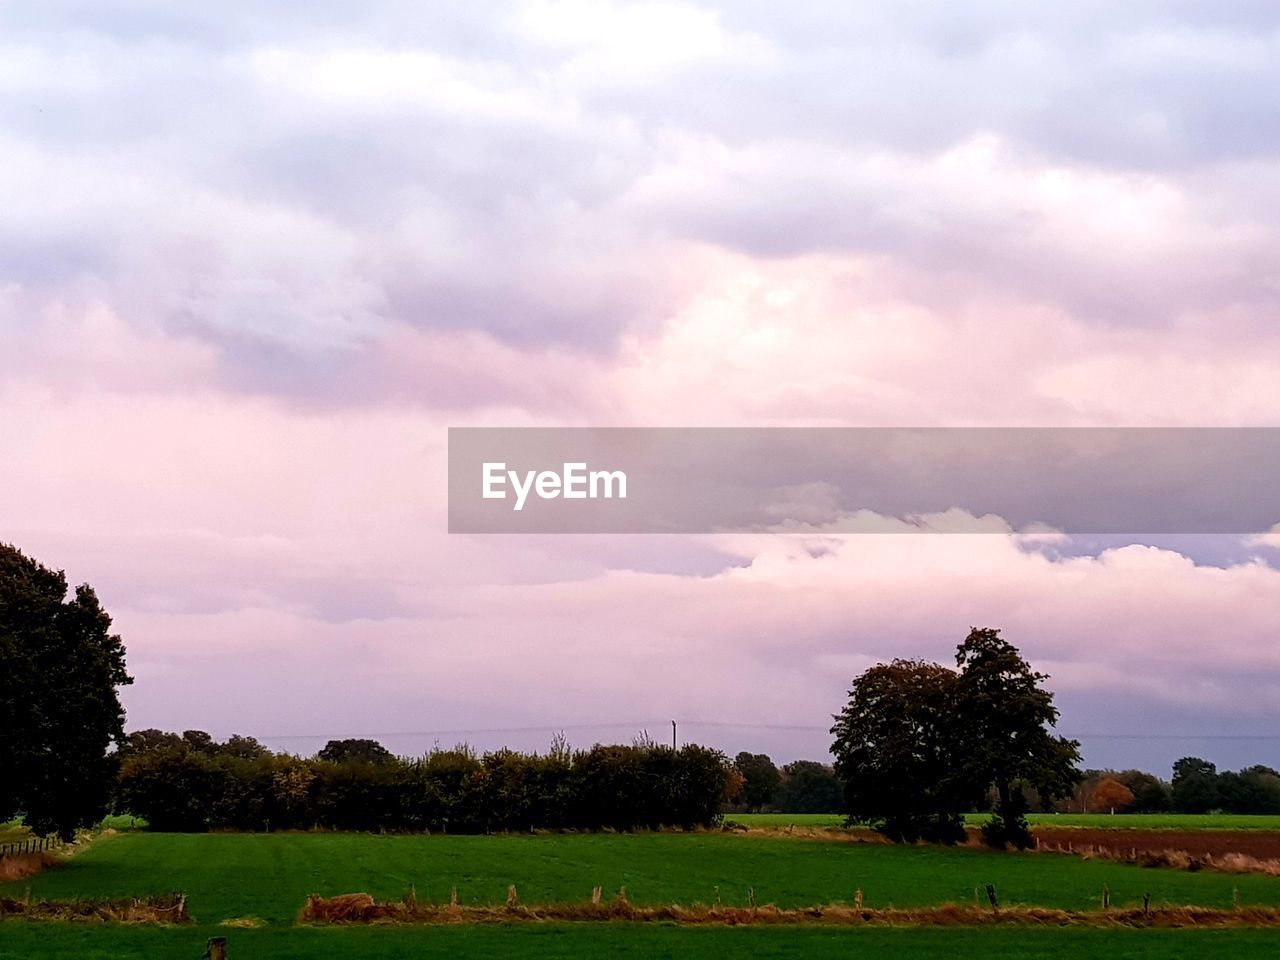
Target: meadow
(25, 941)
(266, 877)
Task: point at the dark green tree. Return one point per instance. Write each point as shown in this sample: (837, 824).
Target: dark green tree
(1195, 785)
(809, 787)
(60, 667)
(895, 750)
(1006, 717)
(918, 743)
(760, 779)
(245, 748)
(355, 751)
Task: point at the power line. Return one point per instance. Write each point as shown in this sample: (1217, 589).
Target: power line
(730, 724)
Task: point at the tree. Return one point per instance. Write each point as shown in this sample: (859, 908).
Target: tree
(896, 752)
(1195, 785)
(245, 748)
(760, 779)
(355, 751)
(919, 743)
(1253, 790)
(59, 707)
(1150, 794)
(1110, 795)
(1007, 716)
(809, 787)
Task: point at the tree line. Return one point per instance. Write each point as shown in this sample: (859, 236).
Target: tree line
(916, 746)
(802, 786)
(1197, 787)
(193, 783)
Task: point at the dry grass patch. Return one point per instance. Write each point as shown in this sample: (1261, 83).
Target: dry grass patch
(168, 909)
(19, 866)
(361, 908)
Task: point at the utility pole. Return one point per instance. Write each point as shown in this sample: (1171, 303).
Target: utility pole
(673, 735)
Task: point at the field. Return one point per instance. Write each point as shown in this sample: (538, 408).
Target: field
(23, 941)
(268, 876)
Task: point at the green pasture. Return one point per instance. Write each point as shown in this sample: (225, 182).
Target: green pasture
(29, 941)
(269, 875)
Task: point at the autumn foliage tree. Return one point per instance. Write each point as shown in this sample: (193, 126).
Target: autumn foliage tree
(1110, 795)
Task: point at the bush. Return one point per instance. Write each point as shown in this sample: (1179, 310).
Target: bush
(186, 784)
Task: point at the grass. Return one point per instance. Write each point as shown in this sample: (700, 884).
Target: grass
(29, 941)
(269, 875)
(13, 831)
(1096, 821)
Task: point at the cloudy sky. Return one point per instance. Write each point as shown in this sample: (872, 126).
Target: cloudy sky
(254, 264)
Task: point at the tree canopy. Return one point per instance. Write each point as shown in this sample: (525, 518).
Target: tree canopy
(918, 743)
(760, 779)
(895, 751)
(354, 751)
(59, 705)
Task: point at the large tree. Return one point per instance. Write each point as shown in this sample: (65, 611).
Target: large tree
(1007, 719)
(60, 667)
(895, 751)
(918, 743)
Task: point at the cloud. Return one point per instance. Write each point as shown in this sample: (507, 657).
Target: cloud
(252, 265)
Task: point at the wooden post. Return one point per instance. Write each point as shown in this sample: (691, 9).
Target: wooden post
(991, 895)
(216, 949)
(1106, 897)
(1146, 904)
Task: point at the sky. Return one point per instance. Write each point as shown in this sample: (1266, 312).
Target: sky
(255, 261)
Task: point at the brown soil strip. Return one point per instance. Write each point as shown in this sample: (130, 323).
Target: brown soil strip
(1260, 844)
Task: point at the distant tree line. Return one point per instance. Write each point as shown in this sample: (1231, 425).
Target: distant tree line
(802, 786)
(1196, 787)
(192, 783)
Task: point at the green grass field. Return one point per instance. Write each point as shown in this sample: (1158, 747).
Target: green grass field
(1097, 821)
(24, 941)
(269, 875)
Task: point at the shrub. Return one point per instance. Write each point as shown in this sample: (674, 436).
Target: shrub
(186, 784)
